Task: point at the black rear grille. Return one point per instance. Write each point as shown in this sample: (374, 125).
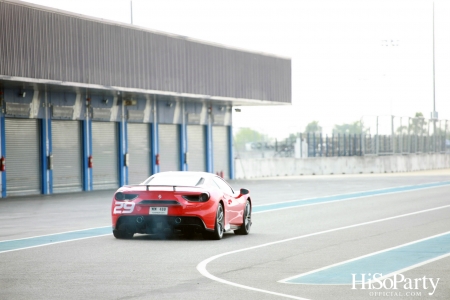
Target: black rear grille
(141, 222)
(159, 202)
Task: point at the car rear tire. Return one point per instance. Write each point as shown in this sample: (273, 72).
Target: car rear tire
(219, 226)
(247, 222)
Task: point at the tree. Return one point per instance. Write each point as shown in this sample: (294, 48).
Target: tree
(247, 135)
(313, 127)
(356, 127)
(292, 138)
(418, 124)
(402, 130)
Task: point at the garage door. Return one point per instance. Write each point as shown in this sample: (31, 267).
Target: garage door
(67, 156)
(169, 148)
(105, 155)
(23, 168)
(196, 148)
(221, 150)
(139, 152)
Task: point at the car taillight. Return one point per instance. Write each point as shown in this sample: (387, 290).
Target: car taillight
(203, 197)
(122, 197)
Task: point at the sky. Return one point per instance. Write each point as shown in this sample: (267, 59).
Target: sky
(351, 59)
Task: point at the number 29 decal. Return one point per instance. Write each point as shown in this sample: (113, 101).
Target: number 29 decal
(124, 207)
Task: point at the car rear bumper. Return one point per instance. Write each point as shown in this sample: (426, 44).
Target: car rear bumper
(152, 224)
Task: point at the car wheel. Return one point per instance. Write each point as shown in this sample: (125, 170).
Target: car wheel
(219, 227)
(247, 222)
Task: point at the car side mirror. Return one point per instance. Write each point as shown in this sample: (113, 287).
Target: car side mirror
(244, 191)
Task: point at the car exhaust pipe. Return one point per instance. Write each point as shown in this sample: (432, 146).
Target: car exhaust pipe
(177, 220)
(140, 219)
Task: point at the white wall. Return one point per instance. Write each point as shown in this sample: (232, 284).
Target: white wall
(268, 167)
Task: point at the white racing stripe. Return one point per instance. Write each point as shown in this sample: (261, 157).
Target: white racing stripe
(201, 267)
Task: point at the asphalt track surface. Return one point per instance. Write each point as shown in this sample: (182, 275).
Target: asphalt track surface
(307, 249)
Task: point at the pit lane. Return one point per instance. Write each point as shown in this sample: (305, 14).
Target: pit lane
(149, 267)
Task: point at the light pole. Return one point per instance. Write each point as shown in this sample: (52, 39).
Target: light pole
(434, 116)
(131, 11)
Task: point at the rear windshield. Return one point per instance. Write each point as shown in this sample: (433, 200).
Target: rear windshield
(175, 180)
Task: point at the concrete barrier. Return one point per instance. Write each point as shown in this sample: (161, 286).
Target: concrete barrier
(284, 166)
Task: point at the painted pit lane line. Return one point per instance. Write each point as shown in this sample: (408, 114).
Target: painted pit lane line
(50, 239)
(387, 262)
(201, 267)
(45, 240)
(343, 197)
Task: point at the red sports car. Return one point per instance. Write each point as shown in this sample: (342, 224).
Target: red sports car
(185, 202)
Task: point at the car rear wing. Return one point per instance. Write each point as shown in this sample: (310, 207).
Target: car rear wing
(147, 186)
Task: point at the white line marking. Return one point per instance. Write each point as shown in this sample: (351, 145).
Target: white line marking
(38, 236)
(201, 267)
(414, 266)
(274, 203)
(341, 200)
(370, 191)
(379, 278)
(53, 243)
(371, 254)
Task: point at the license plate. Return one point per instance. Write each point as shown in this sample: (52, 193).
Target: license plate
(158, 210)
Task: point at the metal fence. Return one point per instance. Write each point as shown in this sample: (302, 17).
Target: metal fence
(417, 136)
(367, 144)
